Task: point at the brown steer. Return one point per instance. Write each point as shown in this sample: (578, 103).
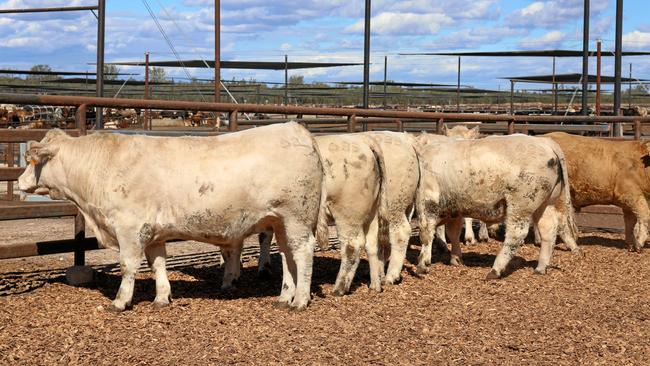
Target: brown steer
(605, 172)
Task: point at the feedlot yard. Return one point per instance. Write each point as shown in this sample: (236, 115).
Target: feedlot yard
(591, 310)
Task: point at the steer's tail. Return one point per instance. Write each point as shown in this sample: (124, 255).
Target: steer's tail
(568, 225)
(383, 191)
(322, 227)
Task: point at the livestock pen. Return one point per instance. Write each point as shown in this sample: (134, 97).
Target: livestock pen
(586, 310)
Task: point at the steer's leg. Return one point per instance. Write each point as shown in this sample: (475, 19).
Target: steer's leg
(232, 264)
(301, 243)
(454, 226)
(546, 226)
(372, 251)
(630, 223)
(288, 269)
(635, 201)
(400, 232)
(156, 255)
(130, 256)
(264, 261)
(516, 231)
(352, 240)
(427, 230)
(469, 231)
(483, 234)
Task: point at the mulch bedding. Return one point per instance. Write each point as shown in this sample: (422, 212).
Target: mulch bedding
(591, 310)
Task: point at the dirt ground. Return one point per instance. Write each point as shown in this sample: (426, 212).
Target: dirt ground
(591, 310)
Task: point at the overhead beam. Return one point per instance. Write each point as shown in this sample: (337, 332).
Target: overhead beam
(48, 10)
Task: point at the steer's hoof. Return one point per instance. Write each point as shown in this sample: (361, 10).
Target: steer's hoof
(579, 252)
(160, 304)
(115, 309)
(298, 308)
(492, 275)
(421, 270)
(375, 288)
(455, 261)
(338, 292)
(281, 305)
(538, 271)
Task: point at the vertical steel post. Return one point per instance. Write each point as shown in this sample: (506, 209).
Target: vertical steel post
(352, 123)
(385, 77)
(366, 56)
(80, 118)
(598, 67)
(458, 88)
(217, 51)
(585, 58)
(512, 97)
(145, 124)
(9, 159)
(554, 89)
(618, 131)
(79, 222)
(101, 21)
(286, 80)
(232, 121)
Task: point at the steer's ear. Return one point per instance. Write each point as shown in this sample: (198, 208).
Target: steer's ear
(38, 153)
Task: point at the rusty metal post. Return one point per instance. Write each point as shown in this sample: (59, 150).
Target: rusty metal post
(366, 55)
(598, 65)
(637, 130)
(439, 124)
(458, 88)
(618, 52)
(512, 97)
(79, 236)
(585, 59)
(554, 85)
(511, 127)
(9, 159)
(385, 76)
(232, 121)
(145, 124)
(400, 125)
(217, 51)
(286, 80)
(101, 21)
(352, 123)
(80, 118)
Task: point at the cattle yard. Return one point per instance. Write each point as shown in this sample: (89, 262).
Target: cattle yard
(68, 297)
(588, 310)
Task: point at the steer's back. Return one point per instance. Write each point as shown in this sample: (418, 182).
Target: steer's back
(598, 167)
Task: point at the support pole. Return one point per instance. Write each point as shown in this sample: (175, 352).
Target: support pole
(217, 51)
(366, 56)
(385, 76)
(458, 88)
(598, 66)
(286, 80)
(618, 131)
(585, 58)
(554, 89)
(146, 122)
(512, 97)
(101, 20)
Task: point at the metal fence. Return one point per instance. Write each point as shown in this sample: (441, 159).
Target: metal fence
(344, 120)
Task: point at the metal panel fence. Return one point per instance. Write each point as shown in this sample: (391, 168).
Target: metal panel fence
(345, 120)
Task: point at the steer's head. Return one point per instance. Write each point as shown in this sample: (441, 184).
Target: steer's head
(40, 158)
(462, 132)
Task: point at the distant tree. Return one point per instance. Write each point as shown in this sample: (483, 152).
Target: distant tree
(111, 69)
(296, 80)
(41, 68)
(157, 74)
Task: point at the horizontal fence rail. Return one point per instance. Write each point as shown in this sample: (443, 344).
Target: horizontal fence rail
(339, 120)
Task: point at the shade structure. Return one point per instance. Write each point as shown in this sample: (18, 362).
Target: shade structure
(567, 79)
(249, 65)
(530, 53)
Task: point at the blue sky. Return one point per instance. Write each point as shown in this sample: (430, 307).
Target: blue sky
(315, 30)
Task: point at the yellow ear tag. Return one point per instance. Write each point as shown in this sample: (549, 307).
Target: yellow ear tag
(32, 162)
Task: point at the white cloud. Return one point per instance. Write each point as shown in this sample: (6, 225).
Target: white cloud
(552, 39)
(554, 13)
(403, 24)
(636, 40)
